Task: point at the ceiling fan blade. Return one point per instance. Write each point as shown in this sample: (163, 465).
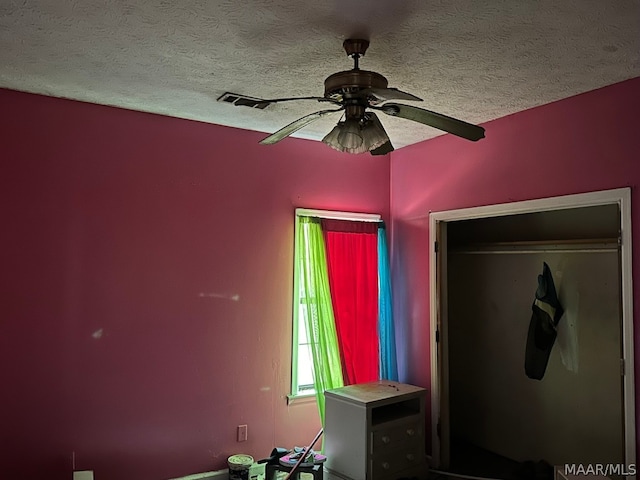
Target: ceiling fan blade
(433, 119)
(295, 126)
(384, 94)
(381, 143)
(250, 102)
(383, 149)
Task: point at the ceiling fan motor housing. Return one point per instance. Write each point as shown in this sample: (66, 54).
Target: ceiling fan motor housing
(351, 81)
(345, 85)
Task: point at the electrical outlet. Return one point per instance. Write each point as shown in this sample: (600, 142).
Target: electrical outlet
(242, 433)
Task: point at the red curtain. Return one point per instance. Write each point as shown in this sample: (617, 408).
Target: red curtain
(352, 258)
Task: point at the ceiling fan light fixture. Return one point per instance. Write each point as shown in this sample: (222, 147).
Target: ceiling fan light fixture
(350, 136)
(331, 138)
(373, 132)
(357, 136)
(347, 137)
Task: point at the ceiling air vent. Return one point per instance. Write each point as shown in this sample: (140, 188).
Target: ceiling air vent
(243, 100)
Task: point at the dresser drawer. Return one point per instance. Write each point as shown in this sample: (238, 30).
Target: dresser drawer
(383, 466)
(396, 436)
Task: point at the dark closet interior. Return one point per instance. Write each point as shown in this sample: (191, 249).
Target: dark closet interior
(502, 423)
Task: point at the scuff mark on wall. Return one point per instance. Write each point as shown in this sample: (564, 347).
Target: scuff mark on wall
(226, 296)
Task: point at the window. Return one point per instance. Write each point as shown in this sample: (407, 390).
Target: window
(303, 362)
(305, 299)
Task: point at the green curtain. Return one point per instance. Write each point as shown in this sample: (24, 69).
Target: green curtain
(321, 328)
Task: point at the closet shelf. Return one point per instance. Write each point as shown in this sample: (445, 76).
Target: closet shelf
(591, 245)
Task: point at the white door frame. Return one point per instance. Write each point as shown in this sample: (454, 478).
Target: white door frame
(622, 197)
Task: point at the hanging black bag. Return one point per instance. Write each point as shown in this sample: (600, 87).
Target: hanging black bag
(546, 313)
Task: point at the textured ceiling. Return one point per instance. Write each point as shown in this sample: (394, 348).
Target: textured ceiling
(468, 59)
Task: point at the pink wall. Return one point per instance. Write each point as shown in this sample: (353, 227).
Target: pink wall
(146, 287)
(584, 143)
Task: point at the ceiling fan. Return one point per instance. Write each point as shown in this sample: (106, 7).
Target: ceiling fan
(359, 94)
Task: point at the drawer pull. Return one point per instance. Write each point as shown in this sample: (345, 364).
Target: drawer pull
(411, 457)
(386, 439)
(385, 465)
(411, 432)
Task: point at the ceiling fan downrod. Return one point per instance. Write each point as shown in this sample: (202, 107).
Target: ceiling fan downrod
(356, 65)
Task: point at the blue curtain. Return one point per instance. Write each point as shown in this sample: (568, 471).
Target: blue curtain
(386, 331)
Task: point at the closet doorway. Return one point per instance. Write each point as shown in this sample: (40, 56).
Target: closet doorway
(484, 267)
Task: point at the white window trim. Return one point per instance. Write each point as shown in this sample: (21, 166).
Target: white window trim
(361, 217)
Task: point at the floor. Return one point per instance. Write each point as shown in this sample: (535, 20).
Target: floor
(468, 460)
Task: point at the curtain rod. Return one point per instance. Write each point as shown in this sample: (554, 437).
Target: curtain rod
(363, 217)
(601, 245)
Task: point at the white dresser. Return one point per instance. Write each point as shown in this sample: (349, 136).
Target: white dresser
(375, 431)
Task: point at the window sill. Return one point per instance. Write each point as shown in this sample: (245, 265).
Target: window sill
(301, 399)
